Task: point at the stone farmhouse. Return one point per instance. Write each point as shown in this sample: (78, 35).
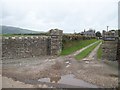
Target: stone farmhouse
(89, 33)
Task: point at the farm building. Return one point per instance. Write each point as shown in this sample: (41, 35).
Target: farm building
(110, 35)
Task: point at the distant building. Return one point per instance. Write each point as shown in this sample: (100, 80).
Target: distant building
(89, 33)
(110, 35)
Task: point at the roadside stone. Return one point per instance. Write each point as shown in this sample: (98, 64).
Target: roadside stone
(67, 66)
(40, 85)
(51, 87)
(67, 62)
(87, 62)
(44, 86)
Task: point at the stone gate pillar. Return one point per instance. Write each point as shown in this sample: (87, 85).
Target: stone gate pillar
(56, 41)
(118, 51)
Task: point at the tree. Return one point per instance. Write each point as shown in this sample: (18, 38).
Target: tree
(98, 34)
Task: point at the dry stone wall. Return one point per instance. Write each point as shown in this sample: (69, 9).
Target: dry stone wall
(32, 46)
(109, 49)
(118, 51)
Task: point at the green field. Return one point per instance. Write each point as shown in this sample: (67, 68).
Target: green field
(72, 46)
(86, 52)
(11, 35)
(19, 35)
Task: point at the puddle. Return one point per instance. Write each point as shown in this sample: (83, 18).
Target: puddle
(69, 80)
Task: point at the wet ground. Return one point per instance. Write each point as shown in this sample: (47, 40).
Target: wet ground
(69, 80)
(62, 72)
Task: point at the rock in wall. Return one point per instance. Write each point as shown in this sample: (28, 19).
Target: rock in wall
(118, 51)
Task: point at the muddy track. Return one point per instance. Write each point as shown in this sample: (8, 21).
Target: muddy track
(89, 69)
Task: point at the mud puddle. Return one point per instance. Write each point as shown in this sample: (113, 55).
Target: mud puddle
(69, 80)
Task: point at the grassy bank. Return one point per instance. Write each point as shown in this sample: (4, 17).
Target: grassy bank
(86, 52)
(72, 46)
(99, 53)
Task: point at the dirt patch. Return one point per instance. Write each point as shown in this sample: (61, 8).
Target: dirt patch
(31, 69)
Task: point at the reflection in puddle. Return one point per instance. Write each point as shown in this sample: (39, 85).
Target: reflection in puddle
(55, 79)
(69, 80)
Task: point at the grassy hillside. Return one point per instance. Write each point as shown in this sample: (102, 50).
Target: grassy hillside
(15, 30)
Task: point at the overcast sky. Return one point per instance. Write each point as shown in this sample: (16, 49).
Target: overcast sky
(67, 15)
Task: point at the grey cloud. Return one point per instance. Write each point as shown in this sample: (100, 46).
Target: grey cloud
(68, 15)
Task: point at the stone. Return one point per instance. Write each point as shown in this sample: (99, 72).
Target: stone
(44, 86)
(32, 46)
(68, 62)
(67, 66)
(40, 85)
(13, 37)
(87, 62)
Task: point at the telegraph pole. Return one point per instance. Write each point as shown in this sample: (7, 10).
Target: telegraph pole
(74, 31)
(107, 28)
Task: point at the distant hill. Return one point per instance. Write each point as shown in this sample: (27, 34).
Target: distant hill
(15, 30)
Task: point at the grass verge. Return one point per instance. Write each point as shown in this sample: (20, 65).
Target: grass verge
(72, 46)
(86, 52)
(99, 53)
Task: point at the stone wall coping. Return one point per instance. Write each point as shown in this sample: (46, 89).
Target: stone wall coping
(24, 37)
